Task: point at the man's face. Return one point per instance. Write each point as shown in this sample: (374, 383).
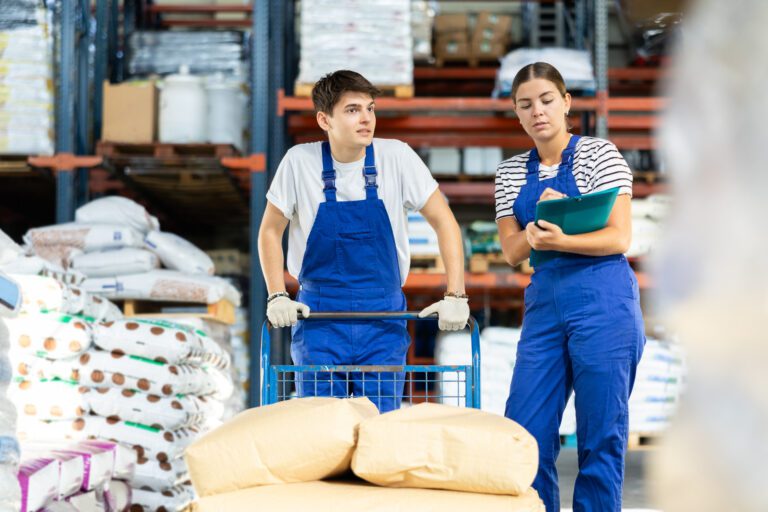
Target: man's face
(353, 121)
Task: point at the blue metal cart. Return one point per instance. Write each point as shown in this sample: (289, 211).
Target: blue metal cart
(449, 384)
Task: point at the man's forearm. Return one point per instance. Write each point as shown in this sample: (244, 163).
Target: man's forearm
(452, 252)
(271, 258)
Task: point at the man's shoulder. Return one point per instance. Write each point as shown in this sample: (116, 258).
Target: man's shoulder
(301, 152)
(389, 146)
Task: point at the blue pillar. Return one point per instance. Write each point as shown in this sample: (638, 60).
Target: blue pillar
(65, 109)
(259, 142)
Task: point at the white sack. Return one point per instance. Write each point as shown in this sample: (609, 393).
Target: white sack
(117, 210)
(128, 260)
(177, 253)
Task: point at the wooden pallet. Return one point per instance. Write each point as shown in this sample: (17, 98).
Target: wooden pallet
(222, 311)
(164, 150)
(643, 440)
(432, 263)
(398, 91)
(472, 62)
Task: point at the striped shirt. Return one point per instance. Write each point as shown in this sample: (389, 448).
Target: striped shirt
(597, 165)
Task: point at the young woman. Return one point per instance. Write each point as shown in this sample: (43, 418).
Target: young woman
(583, 329)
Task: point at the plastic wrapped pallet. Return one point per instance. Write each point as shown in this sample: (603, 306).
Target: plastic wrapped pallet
(375, 41)
(26, 57)
(205, 52)
(574, 65)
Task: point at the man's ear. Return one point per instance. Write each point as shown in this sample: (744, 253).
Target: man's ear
(322, 121)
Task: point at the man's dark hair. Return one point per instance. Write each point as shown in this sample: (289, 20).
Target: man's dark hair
(328, 90)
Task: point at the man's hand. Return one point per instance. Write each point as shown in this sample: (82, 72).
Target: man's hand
(452, 313)
(544, 236)
(284, 312)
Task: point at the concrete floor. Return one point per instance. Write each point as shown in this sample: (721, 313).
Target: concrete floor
(635, 496)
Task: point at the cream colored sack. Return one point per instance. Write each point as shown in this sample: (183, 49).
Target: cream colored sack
(443, 447)
(363, 497)
(292, 441)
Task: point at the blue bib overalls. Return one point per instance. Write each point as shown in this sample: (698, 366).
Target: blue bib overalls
(350, 264)
(582, 331)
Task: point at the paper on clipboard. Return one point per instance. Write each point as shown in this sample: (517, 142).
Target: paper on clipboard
(575, 215)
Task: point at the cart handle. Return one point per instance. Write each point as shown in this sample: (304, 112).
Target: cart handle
(266, 349)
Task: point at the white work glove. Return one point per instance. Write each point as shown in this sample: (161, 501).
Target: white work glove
(452, 313)
(284, 312)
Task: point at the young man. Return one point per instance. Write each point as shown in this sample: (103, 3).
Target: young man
(346, 200)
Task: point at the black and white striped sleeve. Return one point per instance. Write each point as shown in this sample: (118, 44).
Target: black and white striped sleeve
(609, 170)
(510, 177)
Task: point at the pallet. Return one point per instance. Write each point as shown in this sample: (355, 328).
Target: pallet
(481, 263)
(164, 150)
(222, 311)
(398, 91)
(471, 62)
(431, 263)
(643, 440)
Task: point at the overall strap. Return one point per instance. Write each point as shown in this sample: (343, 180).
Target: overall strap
(369, 173)
(329, 174)
(566, 159)
(532, 165)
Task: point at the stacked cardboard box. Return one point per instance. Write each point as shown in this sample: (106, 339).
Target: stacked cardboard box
(488, 40)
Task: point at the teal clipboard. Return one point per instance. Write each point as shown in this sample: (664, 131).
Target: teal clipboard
(575, 215)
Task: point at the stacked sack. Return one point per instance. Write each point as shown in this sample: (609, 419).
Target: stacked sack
(428, 456)
(659, 383)
(10, 495)
(151, 386)
(648, 217)
(117, 245)
(498, 346)
(26, 95)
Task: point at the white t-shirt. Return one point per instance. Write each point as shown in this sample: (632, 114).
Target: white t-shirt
(404, 183)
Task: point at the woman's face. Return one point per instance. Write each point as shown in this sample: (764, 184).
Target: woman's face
(541, 109)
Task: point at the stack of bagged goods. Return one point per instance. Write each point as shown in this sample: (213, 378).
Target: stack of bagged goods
(73, 477)
(659, 383)
(150, 386)
(117, 245)
(375, 41)
(648, 217)
(26, 95)
(429, 456)
(10, 493)
(487, 41)
(498, 346)
(574, 65)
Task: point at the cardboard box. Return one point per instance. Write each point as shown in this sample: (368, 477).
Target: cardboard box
(451, 48)
(493, 26)
(487, 49)
(445, 23)
(130, 112)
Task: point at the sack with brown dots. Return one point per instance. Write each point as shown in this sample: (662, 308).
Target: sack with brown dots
(40, 293)
(148, 442)
(48, 399)
(168, 413)
(98, 368)
(152, 339)
(50, 335)
(173, 499)
(152, 475)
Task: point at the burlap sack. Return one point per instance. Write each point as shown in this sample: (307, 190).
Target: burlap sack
(443, 447)
(292, 441)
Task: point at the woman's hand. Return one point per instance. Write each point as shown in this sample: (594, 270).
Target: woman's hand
(545, 236)
(550, 193)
